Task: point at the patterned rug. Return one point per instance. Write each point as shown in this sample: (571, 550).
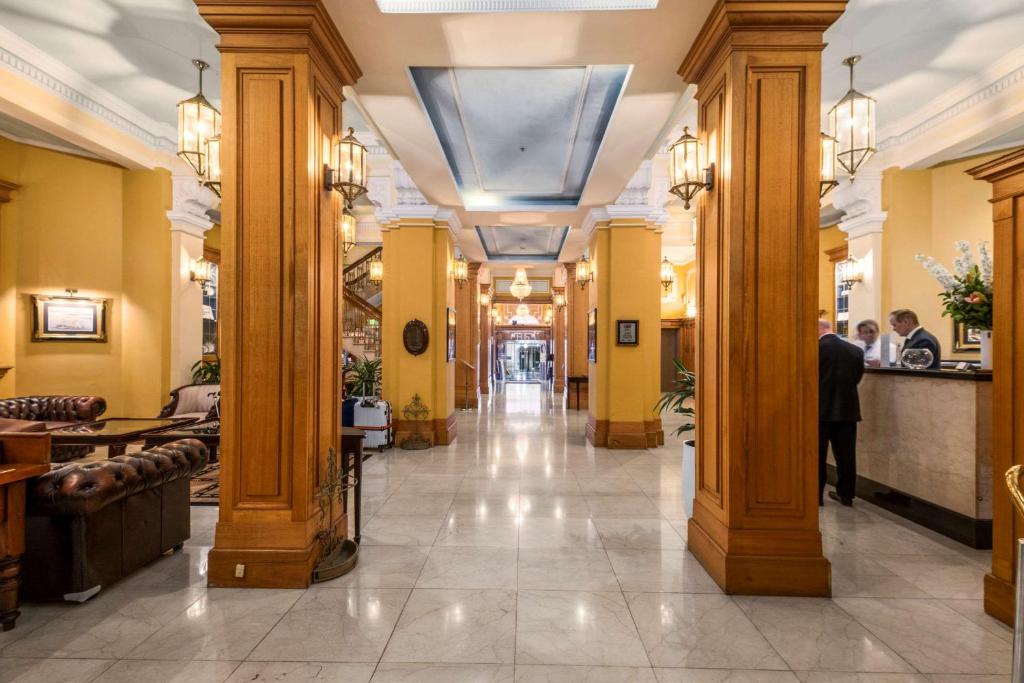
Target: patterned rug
(205, 486)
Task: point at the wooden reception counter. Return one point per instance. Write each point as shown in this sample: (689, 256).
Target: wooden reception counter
(924, 449)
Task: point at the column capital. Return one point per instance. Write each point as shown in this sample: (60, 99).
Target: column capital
(805, 22)
(190, 204)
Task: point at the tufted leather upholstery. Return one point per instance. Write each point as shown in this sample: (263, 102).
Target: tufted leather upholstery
(84, 488)
(56, 411)
(92, 523)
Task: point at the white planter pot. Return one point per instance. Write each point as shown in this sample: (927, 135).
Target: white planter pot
(689, 476)
(986, 349)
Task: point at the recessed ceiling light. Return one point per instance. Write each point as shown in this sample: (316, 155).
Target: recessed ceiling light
(470, 6)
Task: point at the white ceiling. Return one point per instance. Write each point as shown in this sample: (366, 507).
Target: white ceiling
(522, 243)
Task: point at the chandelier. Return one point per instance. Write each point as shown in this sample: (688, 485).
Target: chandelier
(350, 177)
(198, 123)
(668, 274)
(559, 300)
(520, 287)
(485, 297)
(685, 175)
(522, 311)
(852, 123)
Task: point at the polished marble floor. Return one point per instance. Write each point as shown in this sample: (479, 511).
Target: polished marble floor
(521, 554)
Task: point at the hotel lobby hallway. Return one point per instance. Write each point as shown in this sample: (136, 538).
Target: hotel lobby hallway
(520, 553)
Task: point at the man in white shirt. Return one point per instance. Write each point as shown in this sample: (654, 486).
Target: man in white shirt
(867, 339)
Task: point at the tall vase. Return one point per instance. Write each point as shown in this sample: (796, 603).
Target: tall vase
(986, 349)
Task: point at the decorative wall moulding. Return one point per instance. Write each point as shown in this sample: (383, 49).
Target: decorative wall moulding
(451, 6)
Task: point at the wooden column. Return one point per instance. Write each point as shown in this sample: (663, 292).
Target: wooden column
(577, 303)
(283, 67)
(1007, 177)
(757, 66)
(484, 373)
(467, 341)
(558, 342)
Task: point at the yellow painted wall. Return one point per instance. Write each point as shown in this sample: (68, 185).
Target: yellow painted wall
(91, 226)
(829, 238)
(212, 238)
(929, 210)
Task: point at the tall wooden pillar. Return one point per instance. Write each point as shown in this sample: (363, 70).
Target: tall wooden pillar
(577, 303)
(283, 67)
(1007, 177)
(484, 373)
(757, 66)
(558, 341)
(467, 340)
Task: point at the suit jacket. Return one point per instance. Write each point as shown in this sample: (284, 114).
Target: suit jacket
(840, 367)
(923, 339)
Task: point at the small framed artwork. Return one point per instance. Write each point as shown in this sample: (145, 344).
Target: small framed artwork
(627, 332)
(592, 336)
(68, 318)
(966, 339)
(451, 334)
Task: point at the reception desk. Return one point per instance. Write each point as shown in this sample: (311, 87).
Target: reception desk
(924, 449)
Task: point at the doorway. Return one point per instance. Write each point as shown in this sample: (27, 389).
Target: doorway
(669, 352)
(525, 360)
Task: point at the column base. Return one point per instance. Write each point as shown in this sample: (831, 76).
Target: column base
(445, 431)
(999, 599)
(559, 386)
(806, 574)
(627, 435)
(485, 389)
(655, 433)
(597, 431)
(439, 432)
(466, 402)
(263, 568)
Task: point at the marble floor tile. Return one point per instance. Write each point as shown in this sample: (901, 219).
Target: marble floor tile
(660, 571)
(301, 672)
(50, 670)
(699, 631)
(106, 627)
(621, 506)
(483, 506)
(558, 533)
(639, 534)
(940, 577)
(132, 671)
(576, 627)
(33, 616)
(422, 484)
(815, 634)
(444, 673)
(429, 504)
(585, 569)
(847, 677)
(201, 632)
(471, 626)
(931, 636)
(609, 486)
(539, 506)
(536, 673)
(975, 611)
(343, 625)
(469, 530)
(382, 566)
(469, 567)
(867, 586)
(723, 676)
(401, 530)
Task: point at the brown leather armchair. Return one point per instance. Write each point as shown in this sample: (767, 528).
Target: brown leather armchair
(55, 411)
(201, 401)
(90, 524)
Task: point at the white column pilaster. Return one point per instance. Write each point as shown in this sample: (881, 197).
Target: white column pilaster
(863, 225)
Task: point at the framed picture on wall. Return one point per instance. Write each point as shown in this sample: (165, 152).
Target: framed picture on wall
(451, 334)
(627, 332)
(592, 336)
(68, 318)
(966, 339)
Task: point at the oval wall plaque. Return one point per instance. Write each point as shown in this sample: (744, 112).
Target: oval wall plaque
(415, 337)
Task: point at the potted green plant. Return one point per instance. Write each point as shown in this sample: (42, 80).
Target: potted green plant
(680, 402)
(206, 371)
(362, 377)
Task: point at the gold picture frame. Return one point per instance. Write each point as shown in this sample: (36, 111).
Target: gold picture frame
(69, 318)
(966, 339)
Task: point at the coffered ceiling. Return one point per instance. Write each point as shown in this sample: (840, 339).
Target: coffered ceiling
(522, 243)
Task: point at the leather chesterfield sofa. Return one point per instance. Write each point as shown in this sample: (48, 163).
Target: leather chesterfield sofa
(90, 524)
(54, 412)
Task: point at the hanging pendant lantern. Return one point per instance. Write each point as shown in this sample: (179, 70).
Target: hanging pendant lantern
(559, 300)
(668, 274)
(350, 177)
(485, 298)
(852, 123)
(198, 121)
(212, 177)
(376, 274)
(460, 270)
(685, 174)
(520, 287)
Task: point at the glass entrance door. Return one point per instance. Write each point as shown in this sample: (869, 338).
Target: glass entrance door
(525, 361)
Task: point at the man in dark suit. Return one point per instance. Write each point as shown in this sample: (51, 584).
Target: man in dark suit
(840, 368)
(904, 323)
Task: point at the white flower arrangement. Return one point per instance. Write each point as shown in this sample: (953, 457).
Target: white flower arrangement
(967, 291)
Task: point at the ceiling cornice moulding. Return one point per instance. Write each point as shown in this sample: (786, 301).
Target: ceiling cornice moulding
(469, 6)
(31, 63)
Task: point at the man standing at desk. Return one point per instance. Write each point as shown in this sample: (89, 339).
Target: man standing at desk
(904, 323)
(840, 368)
